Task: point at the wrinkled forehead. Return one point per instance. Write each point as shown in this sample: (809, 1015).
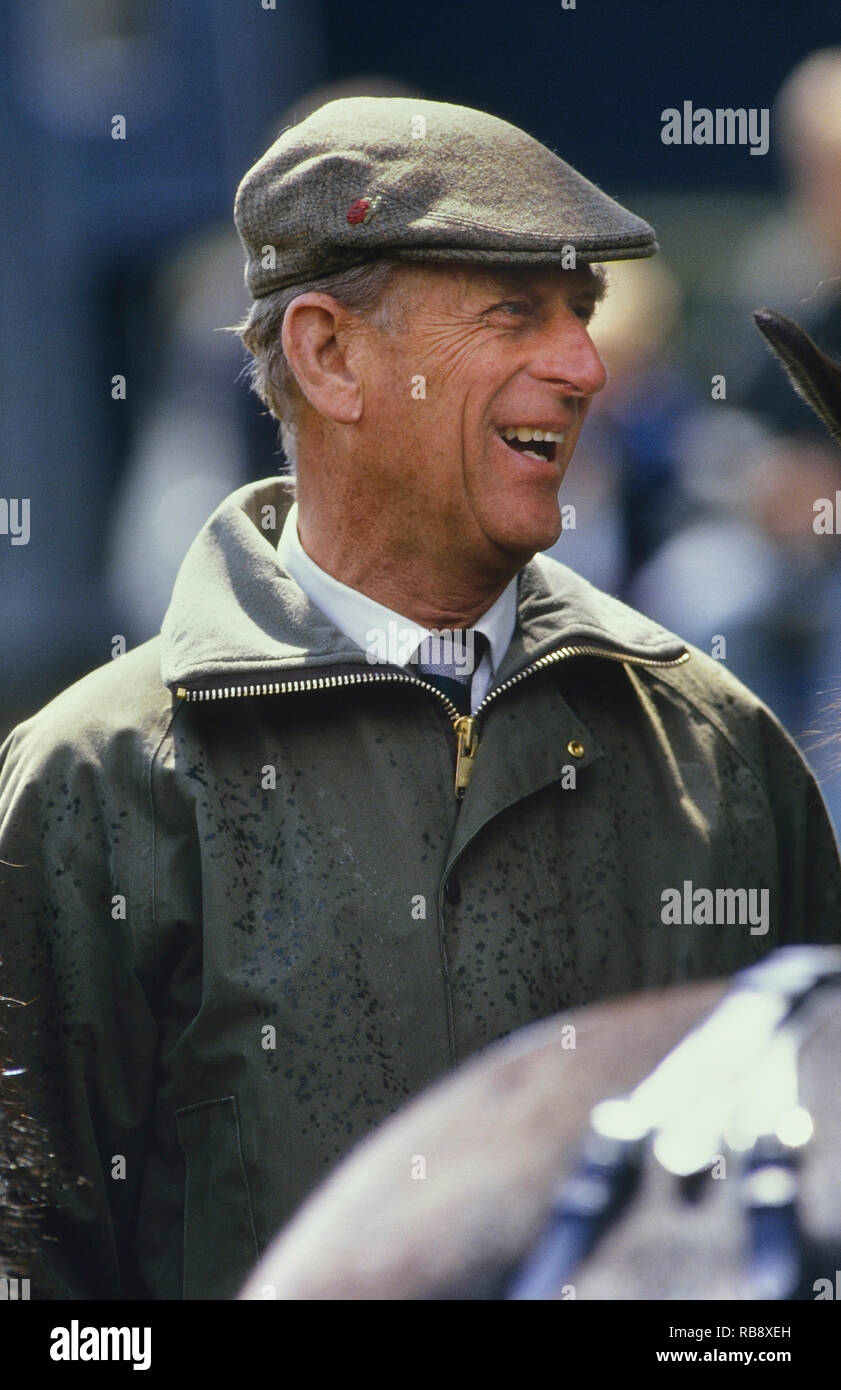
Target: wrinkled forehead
(476, 281)
(518, 277)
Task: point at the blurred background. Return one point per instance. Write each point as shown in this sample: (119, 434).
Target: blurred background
(693, 501)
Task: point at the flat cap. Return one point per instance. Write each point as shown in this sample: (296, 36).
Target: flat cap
(368, 177)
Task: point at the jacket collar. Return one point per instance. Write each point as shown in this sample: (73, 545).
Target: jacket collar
(235, 612)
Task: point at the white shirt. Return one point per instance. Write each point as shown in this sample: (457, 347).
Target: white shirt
(374, 627)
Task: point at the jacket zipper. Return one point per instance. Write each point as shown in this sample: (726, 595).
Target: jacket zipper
(466, 726)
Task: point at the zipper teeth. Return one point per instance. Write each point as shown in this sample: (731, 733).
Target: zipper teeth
(315, 683)
(368, 677)
(563, 652)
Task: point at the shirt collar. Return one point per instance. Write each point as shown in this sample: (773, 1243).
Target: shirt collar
(356, 614)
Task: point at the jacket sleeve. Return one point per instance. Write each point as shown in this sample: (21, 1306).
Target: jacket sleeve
(71, 899)
(807, 851)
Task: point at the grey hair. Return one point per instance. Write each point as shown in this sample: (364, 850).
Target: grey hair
(362, 289)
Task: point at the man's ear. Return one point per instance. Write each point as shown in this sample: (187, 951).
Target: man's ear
(317, 336)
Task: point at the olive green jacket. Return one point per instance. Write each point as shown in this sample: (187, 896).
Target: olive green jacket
(248, 916)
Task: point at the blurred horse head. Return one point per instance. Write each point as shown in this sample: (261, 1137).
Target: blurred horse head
(481, 1188)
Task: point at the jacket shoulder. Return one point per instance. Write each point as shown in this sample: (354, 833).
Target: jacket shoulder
(709, 684)
(741, 717)
(557, 602)
(123, 702)
(703, 681)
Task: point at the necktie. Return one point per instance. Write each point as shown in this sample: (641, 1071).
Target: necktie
(452, 677)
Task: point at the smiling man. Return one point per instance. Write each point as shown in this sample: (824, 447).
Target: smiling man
(270, 874)
(465, 485)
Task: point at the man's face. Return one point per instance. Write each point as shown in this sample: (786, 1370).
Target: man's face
(479, 354)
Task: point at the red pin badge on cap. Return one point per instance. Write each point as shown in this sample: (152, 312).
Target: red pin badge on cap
(362, 209)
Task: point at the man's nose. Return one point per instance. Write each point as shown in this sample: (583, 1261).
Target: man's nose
(568, 358)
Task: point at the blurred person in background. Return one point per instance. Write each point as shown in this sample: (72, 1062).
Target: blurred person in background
(792, 260)
(626, 486)
(125, 125)
(750, 576)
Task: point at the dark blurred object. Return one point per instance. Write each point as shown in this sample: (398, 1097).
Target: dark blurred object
(814, 376)
(27, 1178)
(779, 409)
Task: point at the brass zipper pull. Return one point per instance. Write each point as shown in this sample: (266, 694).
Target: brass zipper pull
(467, 733)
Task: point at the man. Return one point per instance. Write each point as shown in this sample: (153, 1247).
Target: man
(273, 872)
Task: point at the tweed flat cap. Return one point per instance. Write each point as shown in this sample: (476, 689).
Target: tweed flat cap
(392, 177)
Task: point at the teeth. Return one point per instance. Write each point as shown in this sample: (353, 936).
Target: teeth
(530, 454)
(524, 433)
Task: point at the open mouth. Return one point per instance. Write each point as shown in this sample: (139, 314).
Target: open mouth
(532, 443)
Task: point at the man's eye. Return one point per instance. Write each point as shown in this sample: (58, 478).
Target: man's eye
(514, 307)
